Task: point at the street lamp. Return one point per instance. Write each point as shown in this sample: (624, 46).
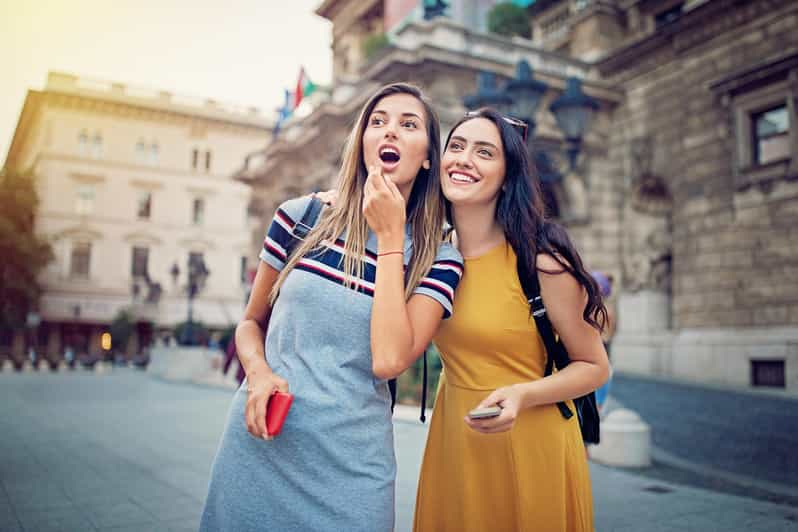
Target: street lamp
(197, 275)
(526, 92)
(573, 111)
(488, 95)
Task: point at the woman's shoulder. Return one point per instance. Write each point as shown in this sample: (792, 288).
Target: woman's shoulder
(294, 208)
(447, 252)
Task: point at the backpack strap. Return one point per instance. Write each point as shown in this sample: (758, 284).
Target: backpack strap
(555, 351)
(305, 224)
(555, 354)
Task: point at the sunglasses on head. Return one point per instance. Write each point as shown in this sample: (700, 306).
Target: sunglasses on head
(519, 125)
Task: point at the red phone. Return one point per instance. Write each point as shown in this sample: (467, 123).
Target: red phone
(276, 411)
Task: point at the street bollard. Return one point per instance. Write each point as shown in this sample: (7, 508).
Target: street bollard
(625, 440)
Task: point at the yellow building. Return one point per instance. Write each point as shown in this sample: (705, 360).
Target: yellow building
(132, 184)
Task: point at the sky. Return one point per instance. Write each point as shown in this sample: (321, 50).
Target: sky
(238, 51)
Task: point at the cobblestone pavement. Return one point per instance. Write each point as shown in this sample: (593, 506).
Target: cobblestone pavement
(127, 452)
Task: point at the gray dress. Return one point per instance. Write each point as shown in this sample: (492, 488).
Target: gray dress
(333, 466)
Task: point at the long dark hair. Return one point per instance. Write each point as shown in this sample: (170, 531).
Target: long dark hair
(521, 214)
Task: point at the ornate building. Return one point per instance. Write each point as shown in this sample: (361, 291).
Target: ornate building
(685, 185)
(134, 185)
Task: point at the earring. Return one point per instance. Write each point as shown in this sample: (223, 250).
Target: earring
(425, 164)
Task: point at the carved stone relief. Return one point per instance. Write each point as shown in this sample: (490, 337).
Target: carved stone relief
(647, 233)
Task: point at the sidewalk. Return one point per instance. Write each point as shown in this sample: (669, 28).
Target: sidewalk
(124, 451)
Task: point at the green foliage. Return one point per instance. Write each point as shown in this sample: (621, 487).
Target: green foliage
(509, 20)
(409, 383)
(23, 254)
(121, 330)
(374, 43)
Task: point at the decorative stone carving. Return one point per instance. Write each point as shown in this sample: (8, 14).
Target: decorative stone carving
(647, 236)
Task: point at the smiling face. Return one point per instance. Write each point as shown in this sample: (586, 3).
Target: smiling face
(396, 139)
(473, 165)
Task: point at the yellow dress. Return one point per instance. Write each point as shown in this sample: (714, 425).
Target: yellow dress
(533, 477)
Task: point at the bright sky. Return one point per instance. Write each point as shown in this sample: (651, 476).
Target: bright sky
(237, 51)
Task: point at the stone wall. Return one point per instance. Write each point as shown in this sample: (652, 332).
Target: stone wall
(734, 250)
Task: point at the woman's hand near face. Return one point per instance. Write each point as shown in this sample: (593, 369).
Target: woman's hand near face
(384, 208)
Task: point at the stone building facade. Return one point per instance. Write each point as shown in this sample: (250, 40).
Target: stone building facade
(685, 189)
(133, 182)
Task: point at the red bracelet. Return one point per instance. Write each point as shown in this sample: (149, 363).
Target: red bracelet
(390, 253)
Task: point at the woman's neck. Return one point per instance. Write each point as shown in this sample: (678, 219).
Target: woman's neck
(476, 229)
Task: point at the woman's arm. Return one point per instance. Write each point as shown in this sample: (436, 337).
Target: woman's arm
(565, 300)
(400, 330)
(250, 335)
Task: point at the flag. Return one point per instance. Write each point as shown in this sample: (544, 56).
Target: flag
(304, 87)
(284, 112)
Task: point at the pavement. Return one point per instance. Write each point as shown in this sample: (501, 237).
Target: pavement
(125, 451)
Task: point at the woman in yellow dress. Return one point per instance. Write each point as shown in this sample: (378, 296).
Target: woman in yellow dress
(525, 469)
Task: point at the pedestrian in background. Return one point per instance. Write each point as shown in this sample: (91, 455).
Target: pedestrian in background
(604, 282)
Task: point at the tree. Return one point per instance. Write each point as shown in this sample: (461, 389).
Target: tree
(22, 253)
(509, 19)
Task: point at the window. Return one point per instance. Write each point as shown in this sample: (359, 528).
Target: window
(144, 205)
(198, 211)
(768, 373)
(83, 143)
(208, 161)
(84, 200)
(141, 151)
(138, 264)
(760, 101)
(194, 158)
(80, 260)
(771, 135)
(97, 146)
(147, 153)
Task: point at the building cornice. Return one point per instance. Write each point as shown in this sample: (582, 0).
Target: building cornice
(30, 112)
(148, 99)
(693, 28)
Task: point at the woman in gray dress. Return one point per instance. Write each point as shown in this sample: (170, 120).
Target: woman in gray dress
(359, 300)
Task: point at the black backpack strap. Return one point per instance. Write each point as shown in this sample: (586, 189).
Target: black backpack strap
(304, 225)
(423, 416)
(555, 354)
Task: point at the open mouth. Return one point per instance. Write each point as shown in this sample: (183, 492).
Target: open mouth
(389, 155)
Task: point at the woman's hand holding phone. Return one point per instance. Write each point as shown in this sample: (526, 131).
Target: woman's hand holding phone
(260, 389)
(508, 399)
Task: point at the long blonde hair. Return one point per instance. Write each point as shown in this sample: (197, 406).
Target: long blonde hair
(425, 207)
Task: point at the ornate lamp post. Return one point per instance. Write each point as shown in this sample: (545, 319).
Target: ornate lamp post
(526, 92)
(197, 275)
(488, 95)
(573, 111)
